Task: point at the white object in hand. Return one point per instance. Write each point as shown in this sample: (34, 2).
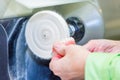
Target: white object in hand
(42, 30)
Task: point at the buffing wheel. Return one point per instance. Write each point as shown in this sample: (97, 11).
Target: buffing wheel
(42, 30)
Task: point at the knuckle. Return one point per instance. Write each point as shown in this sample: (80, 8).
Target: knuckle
(70, 47)
(56, 72)
(51, 66)
(70, 50)
(67, 49)
(54, 68)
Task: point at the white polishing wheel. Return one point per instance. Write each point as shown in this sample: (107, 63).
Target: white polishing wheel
(42, 30)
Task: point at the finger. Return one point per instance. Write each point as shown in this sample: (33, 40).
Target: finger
(91, 45)
(56, 57)
(56, 65)
(59, 47)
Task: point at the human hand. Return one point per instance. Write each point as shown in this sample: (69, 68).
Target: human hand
(68, 61)
(102, 45)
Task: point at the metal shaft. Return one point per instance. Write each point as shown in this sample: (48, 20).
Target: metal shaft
(76, 28)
